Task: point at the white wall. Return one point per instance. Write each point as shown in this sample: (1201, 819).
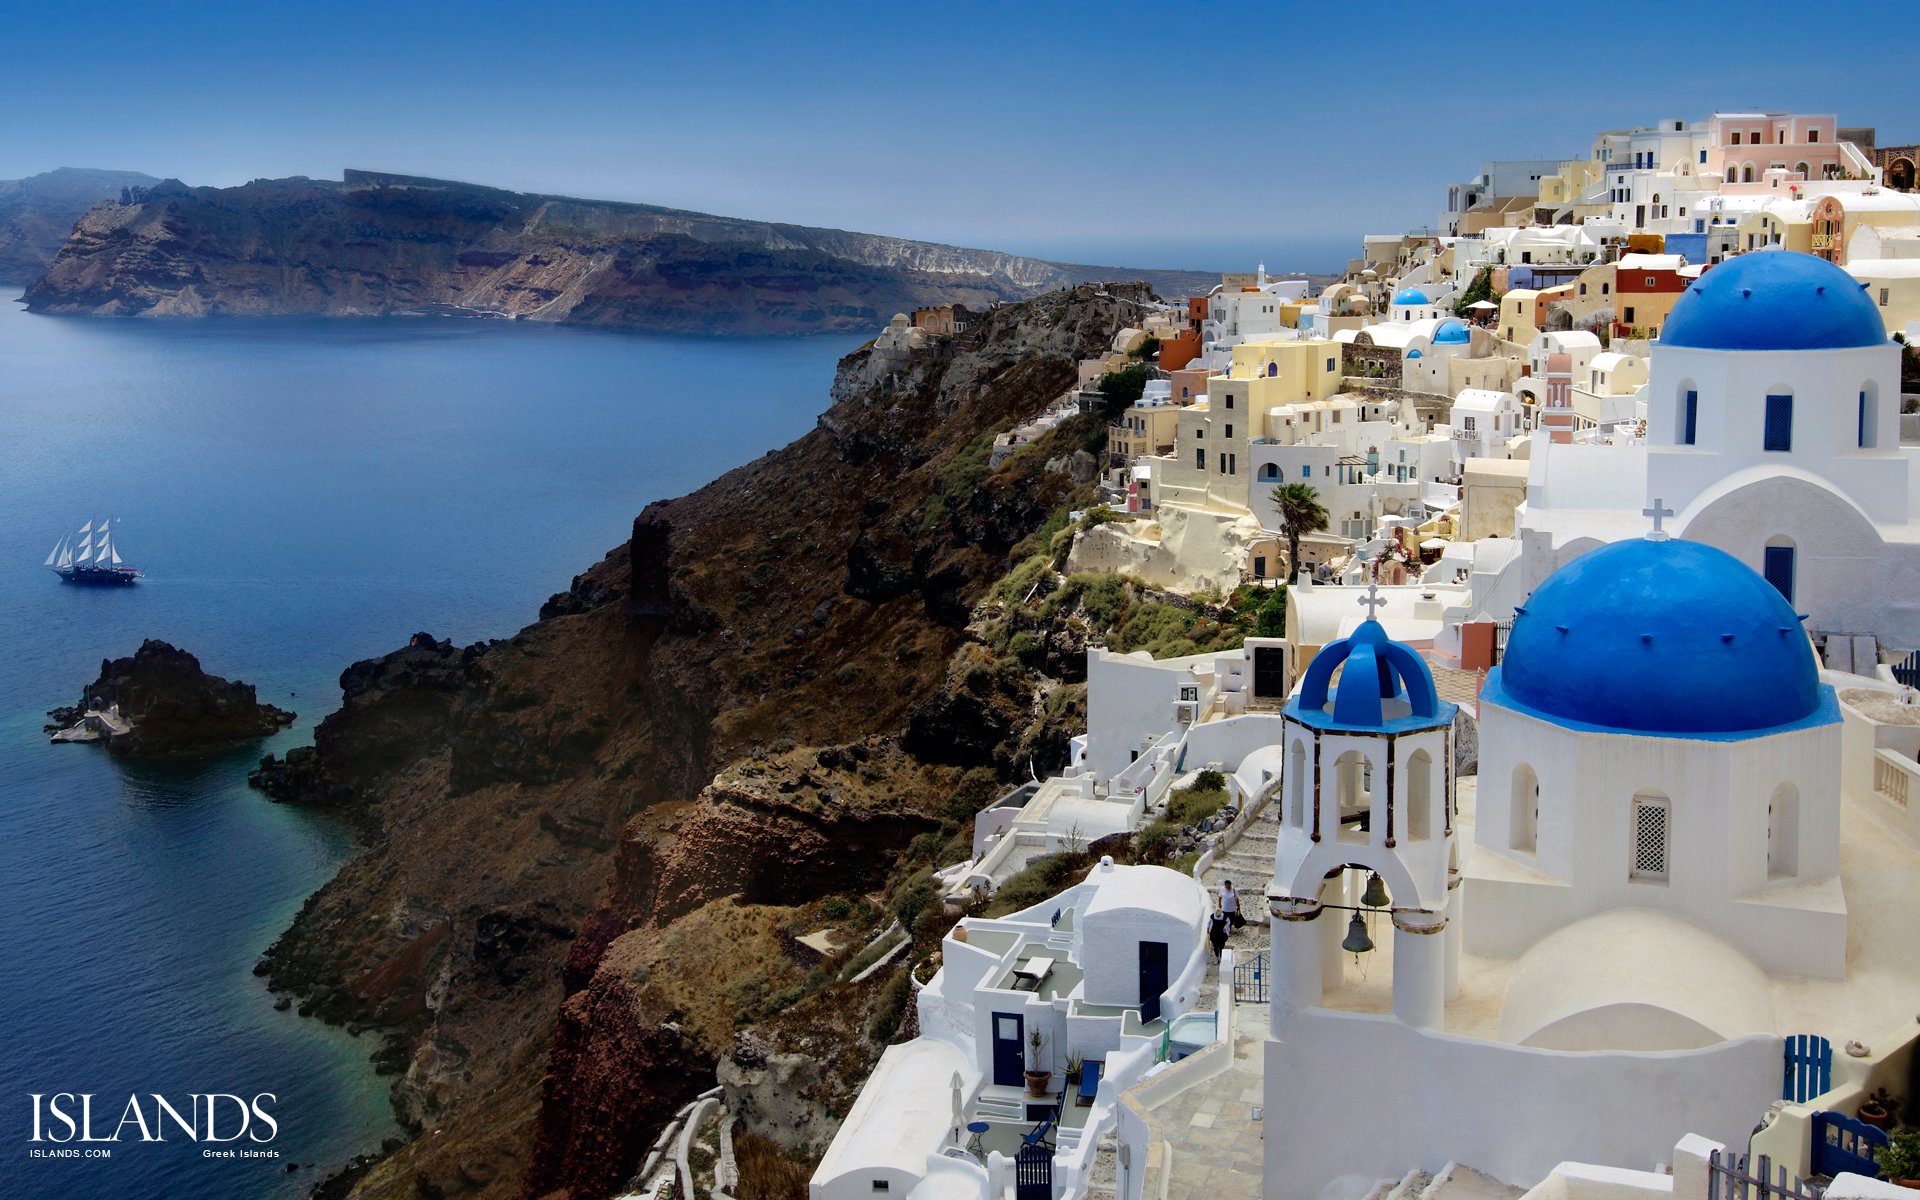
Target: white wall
(1130, 705)
(1357, 1095)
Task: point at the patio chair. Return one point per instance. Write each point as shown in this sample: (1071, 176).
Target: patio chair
(1089, 1081)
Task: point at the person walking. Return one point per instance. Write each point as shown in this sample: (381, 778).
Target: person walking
(1230, 904)
(1217, 928)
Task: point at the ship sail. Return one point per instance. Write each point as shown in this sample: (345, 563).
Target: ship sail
(101, 551)
(53, 555)
(66, 555)
(116, 556)
(85, 529)
(86, 552)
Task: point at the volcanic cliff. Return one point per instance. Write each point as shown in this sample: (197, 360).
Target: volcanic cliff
(587, 847)
(374, 244)
(37, 213)
(170, 705)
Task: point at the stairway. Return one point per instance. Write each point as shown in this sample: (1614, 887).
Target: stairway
(1250, 865)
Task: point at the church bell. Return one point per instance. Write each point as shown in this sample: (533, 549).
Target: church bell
(1357, 941)
(1376, 894)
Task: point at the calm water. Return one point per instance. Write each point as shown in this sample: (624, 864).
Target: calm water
(301, 495)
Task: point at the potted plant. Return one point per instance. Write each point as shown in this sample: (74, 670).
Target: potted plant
(1037, 1074)
(1074, 1062)
(1900, 1158)
(1877, 1109)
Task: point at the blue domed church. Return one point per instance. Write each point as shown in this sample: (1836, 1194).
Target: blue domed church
(1658, 738)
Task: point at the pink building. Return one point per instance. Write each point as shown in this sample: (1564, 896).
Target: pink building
(1745, 146)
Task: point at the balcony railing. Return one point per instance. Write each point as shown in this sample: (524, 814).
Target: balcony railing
(1894, 776)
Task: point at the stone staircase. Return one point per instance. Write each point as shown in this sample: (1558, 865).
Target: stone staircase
(1453, 1182)
(1249, 863)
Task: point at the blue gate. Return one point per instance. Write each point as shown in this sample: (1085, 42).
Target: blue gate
(1907, 670)
(1033, 1172)
(1841, 1143)
(1809, 1067)
(1250, 980)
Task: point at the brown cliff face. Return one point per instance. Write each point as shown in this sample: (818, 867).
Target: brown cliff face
(377, 245)
(37, 213)
(587, 831)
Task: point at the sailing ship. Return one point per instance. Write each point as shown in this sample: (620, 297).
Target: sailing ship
(95, 561)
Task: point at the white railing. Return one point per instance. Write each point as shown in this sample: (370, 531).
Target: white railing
(1895, 776)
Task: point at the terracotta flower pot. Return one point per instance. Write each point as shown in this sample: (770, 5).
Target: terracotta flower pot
(1037, 1082)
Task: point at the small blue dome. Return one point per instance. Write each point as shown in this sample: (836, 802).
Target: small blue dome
(1384, 683)
(1669, 637)
(1774, 300)
(1412, 296)
(1413, 354)
(1451, 333)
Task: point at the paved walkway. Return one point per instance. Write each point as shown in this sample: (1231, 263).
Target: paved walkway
(1218, 1146)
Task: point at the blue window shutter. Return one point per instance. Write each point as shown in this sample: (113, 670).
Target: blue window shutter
(1779, 431)
(1779, 569)
(1306, 470)
(1693, 416)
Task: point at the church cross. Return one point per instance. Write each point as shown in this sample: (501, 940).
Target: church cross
(1372, 601)
(1658, 513)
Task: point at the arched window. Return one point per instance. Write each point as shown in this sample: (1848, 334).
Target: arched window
(1687, 415)
(1297, 783)
(1420, 796)
(1269, 471)
(1777, 564)
(1783, 832)
(1651, 829)
(1804, 171)
(1523, 821)
(1353, 785)
(1777, 434)
(1746, 175)
(1273, 369)
(1869, 415)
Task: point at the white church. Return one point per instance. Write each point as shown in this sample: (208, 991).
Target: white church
(1597, 945)
(1773, 432)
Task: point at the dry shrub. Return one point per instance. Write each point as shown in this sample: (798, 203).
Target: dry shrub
(765, 1172)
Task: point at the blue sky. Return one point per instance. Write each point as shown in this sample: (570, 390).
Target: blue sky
(1170, 134)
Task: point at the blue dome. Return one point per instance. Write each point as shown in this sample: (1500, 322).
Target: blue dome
(1385, 683)
(1451, 333)
(1774, 300)
(1413, 354)
(1668, 637)
(1412, 296)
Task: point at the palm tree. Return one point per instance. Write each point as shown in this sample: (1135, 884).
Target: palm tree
(1302, 513)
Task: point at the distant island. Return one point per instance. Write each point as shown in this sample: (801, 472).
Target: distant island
(37, 214)
(160, 701)
(374, 244)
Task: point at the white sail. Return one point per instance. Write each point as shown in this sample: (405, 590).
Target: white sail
(101, 551)
(116, 556)
(85, 529)
(86, 552)
(66, 555)
(53, 555)
(103, 525)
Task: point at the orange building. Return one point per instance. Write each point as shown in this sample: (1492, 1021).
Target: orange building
(1179, 349)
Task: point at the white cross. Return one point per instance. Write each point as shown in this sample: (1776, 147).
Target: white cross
(1657, 512)
(1372, 601)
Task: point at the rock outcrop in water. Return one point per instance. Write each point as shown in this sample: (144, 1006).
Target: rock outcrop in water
(37, 214)
(159, 701)
(585, 844)
(373, 244)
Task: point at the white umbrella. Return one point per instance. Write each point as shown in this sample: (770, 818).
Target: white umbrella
(1483, 304)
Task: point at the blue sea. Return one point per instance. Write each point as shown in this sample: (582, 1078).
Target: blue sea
(300, 494)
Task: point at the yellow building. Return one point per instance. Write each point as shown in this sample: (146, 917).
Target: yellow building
(1210, 465)
(1142, 430)
(1788, 225)
(1893, 284)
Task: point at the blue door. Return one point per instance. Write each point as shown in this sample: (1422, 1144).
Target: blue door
(1153, 978)
(1779, 569)
(1009, 1062)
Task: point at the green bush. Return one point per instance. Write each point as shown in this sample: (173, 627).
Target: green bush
(1209, 781)
(836, 908)
(915, 896)
(1121, 388)
(1041, 879)
(890, 1007)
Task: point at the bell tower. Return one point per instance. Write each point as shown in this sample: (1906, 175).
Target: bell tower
(1367, 794)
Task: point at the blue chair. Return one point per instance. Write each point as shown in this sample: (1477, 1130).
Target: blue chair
(1089, 1081)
